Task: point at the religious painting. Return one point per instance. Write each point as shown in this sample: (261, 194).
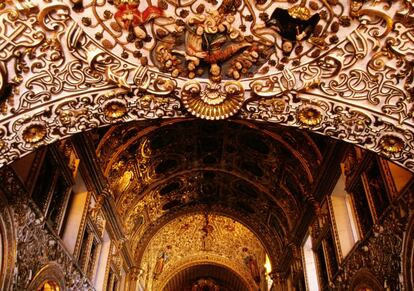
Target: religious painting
(59, 199)
(251, 263)
(376, 187)
(361, 206)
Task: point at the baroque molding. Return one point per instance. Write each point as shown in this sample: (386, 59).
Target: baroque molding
(71, 67)
(381, 252)
(37, 245)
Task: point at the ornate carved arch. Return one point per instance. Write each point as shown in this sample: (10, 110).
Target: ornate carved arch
(408, 256)
(365, 279)
(242, 274)
(51, 272)
(7, 244)
(272, 244)
(353, 81)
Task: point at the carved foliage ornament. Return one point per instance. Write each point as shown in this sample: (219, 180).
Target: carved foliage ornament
(61, 66)
(38, 249)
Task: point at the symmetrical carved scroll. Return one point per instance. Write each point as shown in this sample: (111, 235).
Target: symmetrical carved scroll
(341, 69)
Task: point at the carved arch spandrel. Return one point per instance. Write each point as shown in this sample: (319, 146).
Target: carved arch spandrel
(352, 80)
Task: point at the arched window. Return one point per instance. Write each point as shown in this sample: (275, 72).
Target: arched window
(310, 265)
(49, 278)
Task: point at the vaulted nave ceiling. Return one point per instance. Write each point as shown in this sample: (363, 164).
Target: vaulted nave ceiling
(192, 162)
(248, 185)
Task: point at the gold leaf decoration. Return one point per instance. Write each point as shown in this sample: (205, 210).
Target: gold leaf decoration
(213, 102)
(34, 133)
(310, 116)
(115, 109)
(299, 12)
(391, 144)
(2, 145)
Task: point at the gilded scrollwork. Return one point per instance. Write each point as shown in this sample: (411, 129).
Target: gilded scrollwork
(65, 62)
(37, 245)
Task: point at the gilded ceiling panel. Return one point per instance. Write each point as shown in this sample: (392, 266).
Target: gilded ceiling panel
(262, 173)
(202, 236)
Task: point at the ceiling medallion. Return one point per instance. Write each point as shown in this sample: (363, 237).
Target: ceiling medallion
(214, 101)
(391, 144)
(115, 109)
(310, 116)
(34, 133)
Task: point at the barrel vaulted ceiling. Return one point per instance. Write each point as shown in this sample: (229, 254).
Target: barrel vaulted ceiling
(251, 182)
(339, 68)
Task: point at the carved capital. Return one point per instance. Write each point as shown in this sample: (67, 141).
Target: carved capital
(134, 273)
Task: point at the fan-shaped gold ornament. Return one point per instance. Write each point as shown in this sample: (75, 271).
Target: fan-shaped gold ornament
(213, 102)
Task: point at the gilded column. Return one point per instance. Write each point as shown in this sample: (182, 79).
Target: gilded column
(133, 276)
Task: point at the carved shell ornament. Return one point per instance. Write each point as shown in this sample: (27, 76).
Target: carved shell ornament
(213, 102)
